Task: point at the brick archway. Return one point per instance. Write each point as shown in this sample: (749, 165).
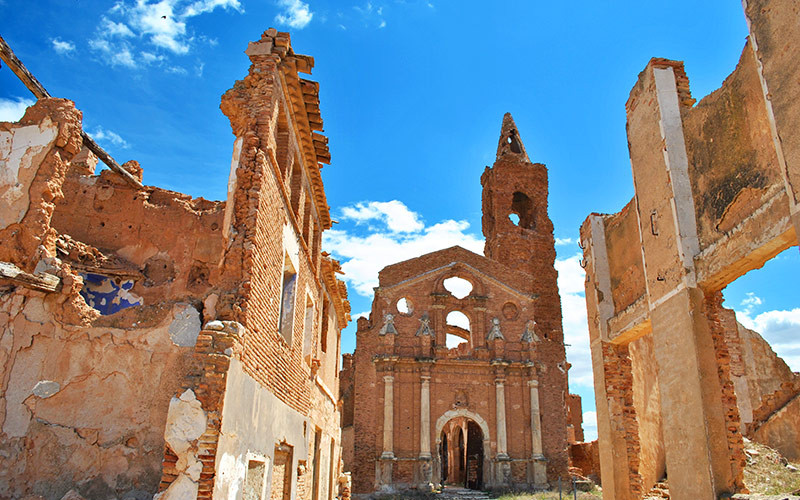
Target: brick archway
(442, 421)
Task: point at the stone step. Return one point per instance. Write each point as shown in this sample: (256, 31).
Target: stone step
(455, 493)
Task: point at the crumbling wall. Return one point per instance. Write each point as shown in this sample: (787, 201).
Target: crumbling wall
(84, 395)
(586, 458)
(574, 418)
(781, 430)
(105, 288)
(509, 376)
(732, 161)
(273, 417)
(625, 261)
(714, 199)
(35, 154)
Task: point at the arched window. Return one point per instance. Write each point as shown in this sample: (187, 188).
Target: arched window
(458, 329)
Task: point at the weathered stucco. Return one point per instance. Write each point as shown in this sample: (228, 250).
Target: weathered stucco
(677, 380)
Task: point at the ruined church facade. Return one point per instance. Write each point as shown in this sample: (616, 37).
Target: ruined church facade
(490, 412)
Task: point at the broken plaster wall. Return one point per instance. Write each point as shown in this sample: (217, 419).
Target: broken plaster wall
(85, 382)
(84, 408)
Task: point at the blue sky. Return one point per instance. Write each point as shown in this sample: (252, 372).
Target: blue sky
(412, 95)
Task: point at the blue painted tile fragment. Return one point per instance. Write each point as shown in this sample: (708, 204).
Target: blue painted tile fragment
(108, 295)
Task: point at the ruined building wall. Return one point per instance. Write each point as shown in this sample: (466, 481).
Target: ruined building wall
(714, 199)
(139, 327)
(78, 387)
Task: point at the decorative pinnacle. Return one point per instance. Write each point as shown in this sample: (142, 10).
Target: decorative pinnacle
(510, 142)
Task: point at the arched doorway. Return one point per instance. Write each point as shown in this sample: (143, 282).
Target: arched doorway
(461, 453)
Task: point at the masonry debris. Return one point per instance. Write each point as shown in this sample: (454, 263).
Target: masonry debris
(678, 381)
(157, 344)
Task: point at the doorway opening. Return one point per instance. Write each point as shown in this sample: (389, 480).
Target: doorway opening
(461, 453)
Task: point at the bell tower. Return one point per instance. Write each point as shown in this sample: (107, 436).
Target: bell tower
(518, 231)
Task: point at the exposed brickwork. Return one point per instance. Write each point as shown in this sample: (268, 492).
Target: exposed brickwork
(772, 403)
(574, 418)
(586, 458)
(174, 263)
(713, 310)
(514, 340)
(619, 391)
(714, 199)
(207, 378)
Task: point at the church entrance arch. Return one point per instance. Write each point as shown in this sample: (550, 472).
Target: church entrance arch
(462, 444)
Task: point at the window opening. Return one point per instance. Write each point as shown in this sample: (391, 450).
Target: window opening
(317, 473)
(323, 337)
(459, 287)
(254, 480)
(281, 485)
(286, 323)
(458, 329)
(308, 330)
(522, 211)
(404, 306)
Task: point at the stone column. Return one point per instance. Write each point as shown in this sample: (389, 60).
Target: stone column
(539, 467)
(425, 417)
(425, 469)
(500, 403)
(388, 417)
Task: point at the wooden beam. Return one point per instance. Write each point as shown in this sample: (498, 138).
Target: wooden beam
(37, 89)
(44, 282)
(108, 160)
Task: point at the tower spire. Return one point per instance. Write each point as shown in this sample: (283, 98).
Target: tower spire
(510, 142)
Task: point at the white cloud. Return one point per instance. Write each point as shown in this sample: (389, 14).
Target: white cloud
(751, 301)
(395, 214)
(101, 134)
(63, 47)
(150, 58)
(571, 278)
(177, 70)
(11, 110)
(203, 6)
(564, 241)
(123, 58)
(161, 24)
(296, 14)
(364, 314)
(398, 235)
(142, 31)
(115, 54)
(370, 16)
(111, 29)
(589, 426)
(781, 328)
